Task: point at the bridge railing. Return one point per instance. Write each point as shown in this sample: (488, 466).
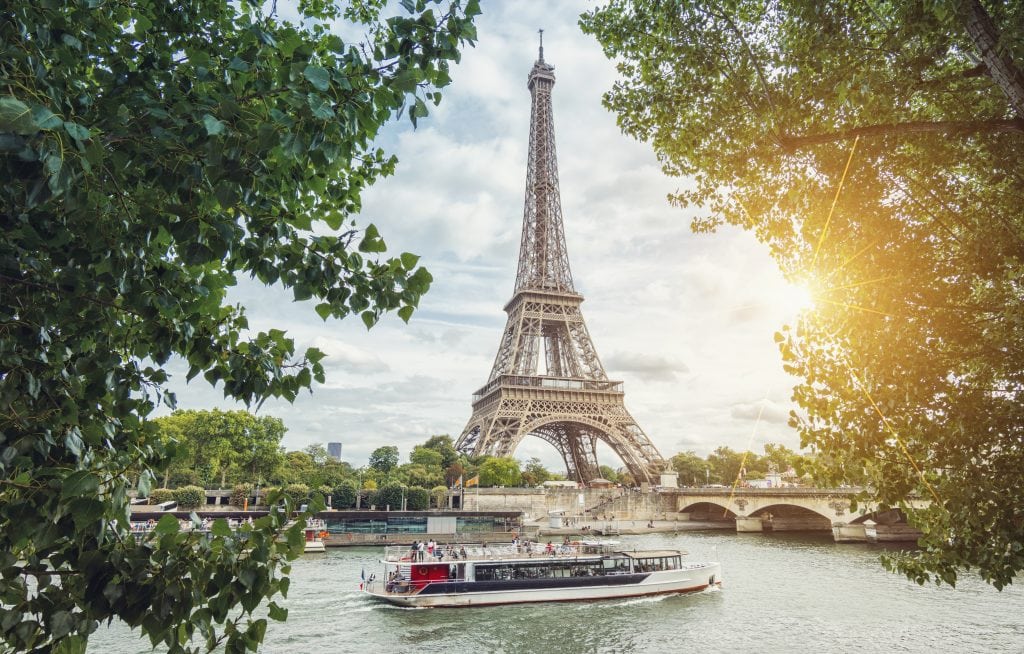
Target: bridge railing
(781, 490)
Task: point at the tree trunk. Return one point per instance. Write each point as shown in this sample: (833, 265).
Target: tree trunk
(1001, 67)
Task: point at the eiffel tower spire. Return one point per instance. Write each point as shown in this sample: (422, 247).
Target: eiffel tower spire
(547, 380)
(543, 260)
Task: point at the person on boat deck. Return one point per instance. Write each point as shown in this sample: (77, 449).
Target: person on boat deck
(420, 549)
(430, 547)
(549, 548)
(413, 549)
(462, 551)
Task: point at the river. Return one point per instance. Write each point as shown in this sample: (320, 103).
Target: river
(789, 593)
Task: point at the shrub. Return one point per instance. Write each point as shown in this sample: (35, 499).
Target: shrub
(240, 493)
(189, 497)
(160, 495)
(389, 495)
(439, 495)
(417, 499)
(299, 493)
(343, 496)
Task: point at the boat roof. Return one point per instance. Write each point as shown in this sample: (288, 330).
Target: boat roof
(649, 554)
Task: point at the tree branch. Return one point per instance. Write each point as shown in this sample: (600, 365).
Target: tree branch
(1001, 66)
(949, 127)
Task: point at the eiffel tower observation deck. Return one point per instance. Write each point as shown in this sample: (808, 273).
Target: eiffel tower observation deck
(547, 380)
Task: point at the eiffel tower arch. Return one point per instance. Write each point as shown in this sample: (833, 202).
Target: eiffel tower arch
(547, 380)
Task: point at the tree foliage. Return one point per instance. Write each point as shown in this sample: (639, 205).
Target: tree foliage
(151, 155)
(875, 148)
(500, 471)
(221, 445)
(384, 458)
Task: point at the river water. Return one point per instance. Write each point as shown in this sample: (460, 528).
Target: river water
(781, 593)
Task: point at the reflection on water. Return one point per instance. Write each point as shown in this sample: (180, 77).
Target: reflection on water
(788, 593)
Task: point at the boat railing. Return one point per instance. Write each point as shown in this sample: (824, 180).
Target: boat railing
(485, 552)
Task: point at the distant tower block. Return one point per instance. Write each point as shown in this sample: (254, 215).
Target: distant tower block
(547, 380)
(334, 451)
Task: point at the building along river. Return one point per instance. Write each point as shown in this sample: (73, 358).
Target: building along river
(787, 593)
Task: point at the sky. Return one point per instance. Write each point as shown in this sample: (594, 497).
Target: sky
(685, 320)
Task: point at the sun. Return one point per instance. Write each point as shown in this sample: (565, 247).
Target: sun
(796, 298)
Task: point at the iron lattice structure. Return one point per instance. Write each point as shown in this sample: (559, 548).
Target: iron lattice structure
(547, 380)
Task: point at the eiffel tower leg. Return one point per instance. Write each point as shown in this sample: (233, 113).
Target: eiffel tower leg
(583, 449)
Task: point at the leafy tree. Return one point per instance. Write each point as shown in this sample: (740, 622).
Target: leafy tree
(425, 456)
(875, 148)
(500, 471)
(608, 472)
(534, 472)
(414, 474)
(443, 445)
(726, 464)
(217, 444)
(318, 453)
(384, 458)
(151, 154)
(453, 473)
(296, 468)
(690, 468)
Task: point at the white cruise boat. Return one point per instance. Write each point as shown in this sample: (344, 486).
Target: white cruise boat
(478, 575)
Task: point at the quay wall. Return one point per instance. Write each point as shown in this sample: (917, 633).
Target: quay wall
(588, 503)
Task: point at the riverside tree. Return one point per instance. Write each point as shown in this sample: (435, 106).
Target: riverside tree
(876, 149)
(151, 154)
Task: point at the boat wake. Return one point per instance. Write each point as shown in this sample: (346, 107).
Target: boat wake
(635, 601)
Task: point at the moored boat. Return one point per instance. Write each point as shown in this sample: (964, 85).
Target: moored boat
(478, 575)
(316, 532)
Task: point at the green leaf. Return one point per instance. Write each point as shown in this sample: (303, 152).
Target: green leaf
(318, 77)
(405, 313)
(276, 612)
(15, 116)
(324, 310)
(369, 318)
(409, 260)
(220, 528)
(167, 524)
(45, 119)
(79, 483)
(213, 125)
(76, 131)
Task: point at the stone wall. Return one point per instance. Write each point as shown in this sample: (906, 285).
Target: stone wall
(537, 503)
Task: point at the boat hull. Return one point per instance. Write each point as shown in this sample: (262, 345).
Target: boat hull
(464, 594)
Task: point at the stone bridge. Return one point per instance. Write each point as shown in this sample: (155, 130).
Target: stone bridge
(797, 509)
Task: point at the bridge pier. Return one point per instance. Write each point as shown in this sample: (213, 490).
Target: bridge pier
(748, 524)
(894, 533)
(846, 533)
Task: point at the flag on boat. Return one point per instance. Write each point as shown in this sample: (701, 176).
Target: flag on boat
(362, 577)
(474, 481)
(458, 482)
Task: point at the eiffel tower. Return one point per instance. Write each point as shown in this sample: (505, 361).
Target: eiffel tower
(547, 380)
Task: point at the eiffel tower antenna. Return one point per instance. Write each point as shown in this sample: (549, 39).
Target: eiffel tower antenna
(547, 380)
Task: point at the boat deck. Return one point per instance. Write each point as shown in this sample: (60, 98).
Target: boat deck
(448, 553)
